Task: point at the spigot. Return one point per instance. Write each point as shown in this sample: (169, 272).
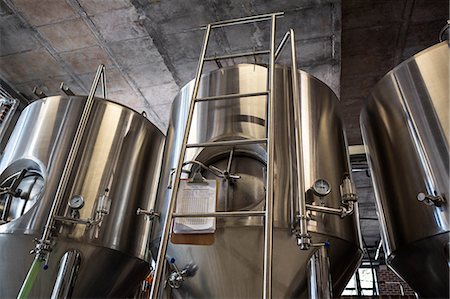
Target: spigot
(175, 280)
(177, 277)
(304, 241)
(42, 251)
(429, 199)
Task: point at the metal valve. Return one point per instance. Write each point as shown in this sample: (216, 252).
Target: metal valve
(177, 277)
(150, 214)
(429, 199)
(348, 191)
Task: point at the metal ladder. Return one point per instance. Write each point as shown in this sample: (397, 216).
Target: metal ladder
(269, 93)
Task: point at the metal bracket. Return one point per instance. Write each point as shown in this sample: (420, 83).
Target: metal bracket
(66, 90)
(39, 93)
(197, 178)
(150, 214)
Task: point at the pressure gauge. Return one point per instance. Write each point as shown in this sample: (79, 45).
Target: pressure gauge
(76, 202)
(321, 187)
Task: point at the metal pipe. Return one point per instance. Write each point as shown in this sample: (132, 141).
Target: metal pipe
(72, 220)
(325, 210)
(221, 214)
(230, 160)
(442, 31)
(342, 211)
(68, 269)
(281, 45)
(304, 239)
(238, 55)
(232, 96)
(268, 227)
(319, 280)
(160, 261)
(245, 20)
(59, 195)
(292, 200)
(103, 78)
(228, 143)
(6, 208)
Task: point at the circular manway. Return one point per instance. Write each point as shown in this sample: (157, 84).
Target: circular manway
(18, 193)
(245, 193)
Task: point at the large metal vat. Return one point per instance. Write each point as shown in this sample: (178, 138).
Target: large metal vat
(405, 128)
(117, 167)
(231, 265)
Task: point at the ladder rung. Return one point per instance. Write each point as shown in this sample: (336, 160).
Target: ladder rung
(232, 96)
(246, 20)
(220, 214)
(237, 55)
(227, 143)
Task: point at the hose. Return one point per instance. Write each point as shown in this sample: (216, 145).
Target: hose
(30, 279)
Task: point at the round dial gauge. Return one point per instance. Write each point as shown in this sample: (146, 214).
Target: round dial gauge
(76, 202)
(321, 187)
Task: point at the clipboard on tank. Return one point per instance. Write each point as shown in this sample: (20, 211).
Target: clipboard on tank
(196, 195)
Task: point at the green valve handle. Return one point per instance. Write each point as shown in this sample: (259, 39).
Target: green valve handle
(30, 279)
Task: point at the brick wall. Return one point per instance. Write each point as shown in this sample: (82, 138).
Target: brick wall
(389, 283)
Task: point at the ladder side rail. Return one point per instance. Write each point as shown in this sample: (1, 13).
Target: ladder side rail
(268, 223)
(160, 261)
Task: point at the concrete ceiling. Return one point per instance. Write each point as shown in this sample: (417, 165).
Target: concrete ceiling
(151, 47)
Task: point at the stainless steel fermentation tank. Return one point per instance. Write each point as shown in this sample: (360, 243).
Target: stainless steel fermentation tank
(115, 173)
(232, 266)
(406, 131)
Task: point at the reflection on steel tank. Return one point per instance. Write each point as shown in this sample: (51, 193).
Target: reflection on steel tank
(405, 128)
(230, 263)
(98, 244)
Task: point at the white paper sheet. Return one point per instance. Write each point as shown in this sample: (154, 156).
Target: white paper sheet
(196, 198)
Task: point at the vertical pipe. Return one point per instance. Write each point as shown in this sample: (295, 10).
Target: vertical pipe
(65, 279)
(319, 281)
(6, 208)
(41, 249)
(72, 154)
(160, 261)
(103, 78)
(268, 227)
(304, 240)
